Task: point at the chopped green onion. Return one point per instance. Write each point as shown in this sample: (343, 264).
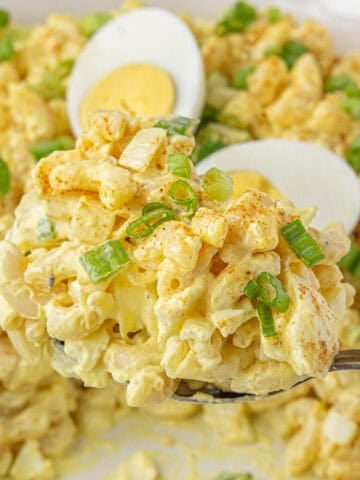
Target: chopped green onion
(4, 18)
(351, 105)
(302, 243)
(179, 165)
(353, 155)
(19, 34)
(237, 19)
(46, 228)
(202, 151)
(251, 290)
(5, 177)
(148, 222)
(89, 24)
(272, 14)
(149, 207)
(217, 184)
(266, 319)
(351, 261)
(6, 48)
(234, 476)
(176, 126)
(272, 292)
(339, 83)
(183, 194)
(52, 84)
(43, 149)
(104, 261)
(64, 68)
(291, 51)
(270, 51)
(217, 132)
(209, 114)
(241, 76)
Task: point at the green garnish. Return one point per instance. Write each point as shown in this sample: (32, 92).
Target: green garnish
(206, 149)
(89, 24)
(217, 184)
(52, 84)
(267, 323)
(183, 194)
(270, 51)
(241, 76)
(339, 83)
(234, 476)
(176, 126)
(237, 19)
(273, 14)
(351, 261)
(6, 48)
(104, 261)
(209, 114)
(149, 221)
(149, 207)
(302, 243)
(291, 51)
(251, 290)
(46, 228)
(179, 165)
(43, 149)
(4, 18)
(5, 177)
(351, 105)
(272, 293)
(353, 154)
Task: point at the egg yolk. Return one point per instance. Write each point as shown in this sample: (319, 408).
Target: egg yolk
(244, 180)
(140, 90)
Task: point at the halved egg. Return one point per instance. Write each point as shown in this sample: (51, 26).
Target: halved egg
(145, 62)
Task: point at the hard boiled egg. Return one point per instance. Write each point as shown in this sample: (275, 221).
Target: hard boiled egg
(306, 174)
(145, 62)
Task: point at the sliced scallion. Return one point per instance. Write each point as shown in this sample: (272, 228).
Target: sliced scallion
(149, 207)
(6, 48)
(204, 150)
(351, 261)
(176, 126)
(148, 222)
(302, 243)
(179, 165)
(251, 290)
(237, 19)
(272, 293)
(43, 149)
(291, 51)
(267, 323)
(89, 24)
(46, 228)
(353, 154)
(4, 18)
(338, 83)
(104, 261)
(351, 105)
(183, 194)
(5, 177)
(272, 14)
(241, 77)
(217, 184)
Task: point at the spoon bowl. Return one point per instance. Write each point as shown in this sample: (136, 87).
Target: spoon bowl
(306, 174)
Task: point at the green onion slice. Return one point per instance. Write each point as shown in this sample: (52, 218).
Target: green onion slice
(202, 151)
(302, 243)
(179, 165)
(272, 14)
(89, 24)
(351, 261)
(241, 76)
(149, 207)
(4, 18)
(291, 51)
(251, 290)
(5, 177)
(104, 261)
(176, 126)
(217, 184)
(148, 222)
(237, 19)
(43, 149)
(353, 155)
(234, 476)
(183, 194)
(6, 48)
(339, 83)
(272, 293)
(351, 105)
(46, 228)
(209, 114)
(267, 323)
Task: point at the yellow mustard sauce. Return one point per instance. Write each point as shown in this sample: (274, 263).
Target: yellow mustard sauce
(245, 180)
(141, 90)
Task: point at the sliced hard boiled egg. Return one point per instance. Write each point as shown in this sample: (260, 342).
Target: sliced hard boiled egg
(307, 174)
(145, 62)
